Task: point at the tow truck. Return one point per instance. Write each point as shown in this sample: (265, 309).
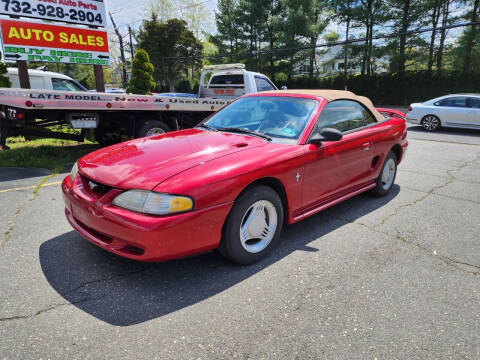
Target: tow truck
(115, 116)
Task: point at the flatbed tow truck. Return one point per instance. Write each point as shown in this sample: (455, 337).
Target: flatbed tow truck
(114, 116)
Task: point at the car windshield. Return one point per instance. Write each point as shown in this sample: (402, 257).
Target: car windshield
(280, 118)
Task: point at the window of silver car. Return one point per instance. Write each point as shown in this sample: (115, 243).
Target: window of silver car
(474, 103)
(457, 101)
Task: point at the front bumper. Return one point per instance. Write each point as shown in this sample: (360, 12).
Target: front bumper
(138, 236)
(411, 120)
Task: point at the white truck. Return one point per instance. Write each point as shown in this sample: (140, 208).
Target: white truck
(33, 112)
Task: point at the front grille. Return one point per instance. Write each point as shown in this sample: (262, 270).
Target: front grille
(94, 188)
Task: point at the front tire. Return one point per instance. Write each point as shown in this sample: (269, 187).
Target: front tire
(431, 123)
(387, 176)
(253, 226)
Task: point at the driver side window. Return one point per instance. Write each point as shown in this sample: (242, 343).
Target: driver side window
(344, 115)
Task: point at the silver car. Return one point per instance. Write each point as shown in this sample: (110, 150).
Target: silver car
(456, 110)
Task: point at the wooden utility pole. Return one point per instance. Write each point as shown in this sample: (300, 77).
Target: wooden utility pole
(23, 74)
(99, 81)
(131, 43)
(122, 52)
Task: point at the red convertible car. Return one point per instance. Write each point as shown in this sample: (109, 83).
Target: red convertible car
(231, 183)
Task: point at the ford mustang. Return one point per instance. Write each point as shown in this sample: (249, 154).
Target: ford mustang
(233, 182)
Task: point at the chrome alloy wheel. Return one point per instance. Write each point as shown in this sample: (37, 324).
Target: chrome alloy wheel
(388, 174)
(258, 226)
(154, 131)
(430, 123)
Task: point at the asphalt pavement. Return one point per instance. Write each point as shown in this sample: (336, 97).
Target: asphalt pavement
(371, 278)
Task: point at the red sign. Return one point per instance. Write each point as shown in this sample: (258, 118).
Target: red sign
(22, 33)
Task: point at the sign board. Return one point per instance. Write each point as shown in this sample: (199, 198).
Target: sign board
(53, 43)
(86, 12)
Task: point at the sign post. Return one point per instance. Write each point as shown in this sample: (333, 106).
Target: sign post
(23, 74)
(99, 82)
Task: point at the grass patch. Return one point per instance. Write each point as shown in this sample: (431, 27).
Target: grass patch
(52, 154)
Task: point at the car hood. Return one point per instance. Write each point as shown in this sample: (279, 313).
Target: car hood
(144, 163)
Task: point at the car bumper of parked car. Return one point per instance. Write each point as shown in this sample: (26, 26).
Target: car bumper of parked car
(139, 236)
(412, 120)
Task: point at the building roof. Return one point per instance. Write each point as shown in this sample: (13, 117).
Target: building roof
(332, 95)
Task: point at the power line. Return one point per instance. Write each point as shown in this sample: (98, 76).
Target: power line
(330, 44)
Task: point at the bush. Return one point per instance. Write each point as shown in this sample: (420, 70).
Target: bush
(141, 81)
(397, 89)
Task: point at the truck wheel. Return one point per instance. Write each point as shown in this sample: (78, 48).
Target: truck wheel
(153, 127)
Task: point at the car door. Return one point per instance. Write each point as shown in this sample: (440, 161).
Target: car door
(337, 168)
(453, 111)
(474, 111)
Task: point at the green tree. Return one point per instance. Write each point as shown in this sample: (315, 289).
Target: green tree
(174, 41)
(471, 35)
(141, 81)
(4, 81)
(228, 33)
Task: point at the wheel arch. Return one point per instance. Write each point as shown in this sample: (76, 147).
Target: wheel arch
(397, 150)
(273, 183)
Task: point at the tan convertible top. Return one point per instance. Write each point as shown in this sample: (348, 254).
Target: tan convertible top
(331, 95)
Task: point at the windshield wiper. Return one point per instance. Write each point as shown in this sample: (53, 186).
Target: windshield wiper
(244, 131)
(205, 126)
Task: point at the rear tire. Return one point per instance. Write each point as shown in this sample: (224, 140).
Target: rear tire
(386, 179)
(152, 128)
(253, 226)
(431, 123)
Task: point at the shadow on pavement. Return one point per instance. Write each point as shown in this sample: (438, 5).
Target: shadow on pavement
(13, 173)
(122, 292)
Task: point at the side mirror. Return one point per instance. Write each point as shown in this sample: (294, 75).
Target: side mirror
(326, 134)
(284, 87)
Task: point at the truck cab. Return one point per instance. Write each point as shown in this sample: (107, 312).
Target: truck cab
(229, 81)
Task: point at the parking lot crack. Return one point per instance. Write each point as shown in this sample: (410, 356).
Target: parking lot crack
(427, 194)
(108, 278)
(11, 223)
(456, 264)
(49, 308)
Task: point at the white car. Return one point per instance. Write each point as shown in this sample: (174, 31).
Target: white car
(456, 110)
(46, 80)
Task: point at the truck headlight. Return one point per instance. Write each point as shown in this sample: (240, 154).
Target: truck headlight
(153, 203)
(74, 172)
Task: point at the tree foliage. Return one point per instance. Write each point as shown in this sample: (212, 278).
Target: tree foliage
(141, 81)
(170, 39)
(248, 30)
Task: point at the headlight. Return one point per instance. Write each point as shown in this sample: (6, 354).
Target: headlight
(74, 172)
(153, 203)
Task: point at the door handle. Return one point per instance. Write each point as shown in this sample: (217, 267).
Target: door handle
(366, 146)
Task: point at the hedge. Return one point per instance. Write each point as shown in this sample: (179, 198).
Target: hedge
(395, 89)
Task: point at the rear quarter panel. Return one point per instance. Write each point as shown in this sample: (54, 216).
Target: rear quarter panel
(393, 132)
